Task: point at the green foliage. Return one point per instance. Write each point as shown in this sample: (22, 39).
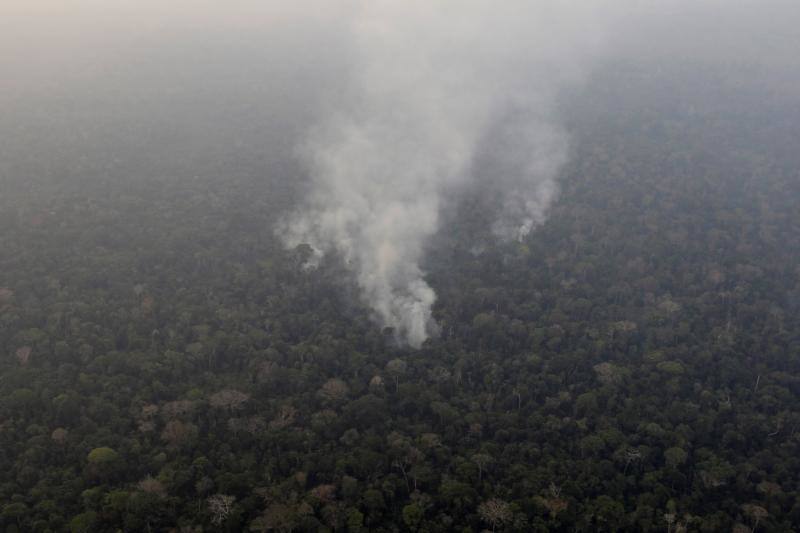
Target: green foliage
(103, 456)
(671, 367)
(412, 516)
(675, 457)
(636, 357)
(83, 523)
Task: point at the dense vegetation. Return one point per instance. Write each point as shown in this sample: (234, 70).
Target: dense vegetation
(634, 364)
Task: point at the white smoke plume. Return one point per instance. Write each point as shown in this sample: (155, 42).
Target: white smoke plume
(410, 100)
(432, 85)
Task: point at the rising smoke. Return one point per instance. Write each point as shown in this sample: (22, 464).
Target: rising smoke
(399, 103)
(433, 85)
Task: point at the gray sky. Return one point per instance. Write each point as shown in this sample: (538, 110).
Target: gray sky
(54, 47)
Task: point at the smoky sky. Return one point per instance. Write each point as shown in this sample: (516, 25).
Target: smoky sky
(178, 78)
(388, 108)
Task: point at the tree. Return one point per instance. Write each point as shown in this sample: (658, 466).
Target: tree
(396, 369)
(495, 512)
(675, 457)
(376, 384)
(230, 399)
(482, 460)
(334, 391)
(282, 517)
(412, 516)
(151, 485)
(220, 506)
(283, 418)
(669, 518)
(458, 495)
(59, 435)
(755, 512)
(607, 513)
(355, 520)
(15, 511)
(23, 355)
(83, 523)
(177, 433)
(104, 462)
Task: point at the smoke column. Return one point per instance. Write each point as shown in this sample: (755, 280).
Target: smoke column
(432, 86)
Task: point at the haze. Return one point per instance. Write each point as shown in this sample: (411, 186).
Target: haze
(372, 265)
(186, 87)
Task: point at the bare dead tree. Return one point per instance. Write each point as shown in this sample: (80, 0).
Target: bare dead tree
(756, 512)
(631, 455)
(496, 512)
(669, 518)
(220, 506)
(482, 460)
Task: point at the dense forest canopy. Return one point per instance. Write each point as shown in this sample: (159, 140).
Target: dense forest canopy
(168, 364)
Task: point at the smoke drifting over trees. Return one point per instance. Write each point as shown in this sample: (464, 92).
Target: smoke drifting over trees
(439, 96)
(433, 90)
(390, 107)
